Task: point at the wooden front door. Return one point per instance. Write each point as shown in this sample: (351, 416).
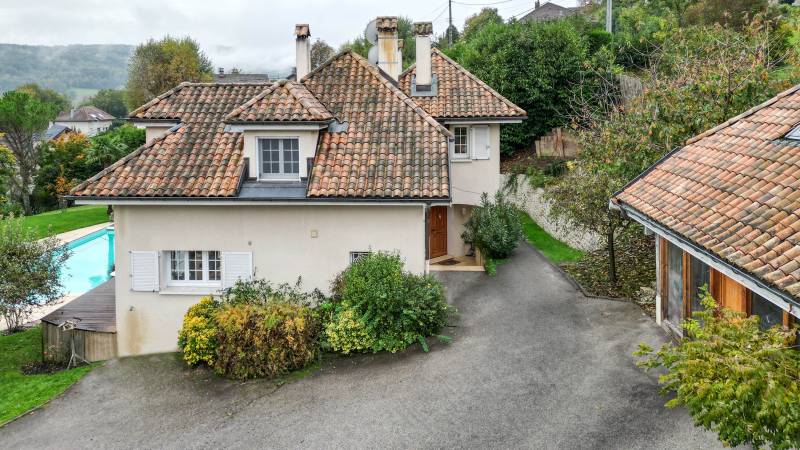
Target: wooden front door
(437, 231)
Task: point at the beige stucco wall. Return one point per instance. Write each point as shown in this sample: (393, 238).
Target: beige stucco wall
(471, 177)
(279, 237)
(457, 216)
(88, 128)
(154, 132)
(307, 144)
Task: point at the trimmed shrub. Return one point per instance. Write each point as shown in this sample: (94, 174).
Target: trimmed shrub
(261, 292)
(264, 340)
(494, 227)
(197, 339)
(396, 308)
(347, 333)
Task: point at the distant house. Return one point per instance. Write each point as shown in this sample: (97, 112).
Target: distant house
(86, 119)
(54, 131)
(238, 77)
(725, 209)
(550, 11)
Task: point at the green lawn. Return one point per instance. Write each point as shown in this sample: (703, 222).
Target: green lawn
(21, 393)
(555, 250)
(54, 222)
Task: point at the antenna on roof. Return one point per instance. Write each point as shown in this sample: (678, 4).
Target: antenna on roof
(372, 55)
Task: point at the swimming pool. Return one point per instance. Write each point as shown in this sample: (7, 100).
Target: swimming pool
(91, 262)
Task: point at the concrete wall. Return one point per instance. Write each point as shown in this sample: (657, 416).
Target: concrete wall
(279, 237)
(469, 178)
(532, 201)
(307, 143)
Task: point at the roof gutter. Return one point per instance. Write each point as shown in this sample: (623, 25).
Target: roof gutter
(203, 201)
(780, 298)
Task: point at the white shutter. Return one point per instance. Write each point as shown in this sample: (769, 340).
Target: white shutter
(236, 266)
(480, 142)
(144, 271)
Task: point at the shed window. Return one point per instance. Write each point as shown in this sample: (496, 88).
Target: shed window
(700, 276)
(674, 284)
(767, 311)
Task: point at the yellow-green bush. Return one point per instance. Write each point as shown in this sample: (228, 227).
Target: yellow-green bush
(198, 336)
(347, 332)
(264, 340)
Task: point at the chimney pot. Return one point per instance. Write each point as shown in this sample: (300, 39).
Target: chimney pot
(303, 50)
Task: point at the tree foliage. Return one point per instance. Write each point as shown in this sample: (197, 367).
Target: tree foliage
(699, 78)
(320, 52)
(29, 272)
(535, 65)
(736, 379)
(157, 66)
(59, 100)
(22, 116)
(475, 22)
(111, 101)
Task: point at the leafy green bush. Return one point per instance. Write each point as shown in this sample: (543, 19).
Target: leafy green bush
(494, 227)
(261, 292)
(347, 332)
(197, 339)
(397, 308)
(264, 340)
(734, 378)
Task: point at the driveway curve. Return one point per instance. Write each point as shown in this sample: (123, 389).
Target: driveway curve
(533, 364)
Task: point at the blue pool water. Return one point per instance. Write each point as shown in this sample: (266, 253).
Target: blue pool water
(91, 262)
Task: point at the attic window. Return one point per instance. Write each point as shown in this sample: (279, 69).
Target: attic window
(794, 134)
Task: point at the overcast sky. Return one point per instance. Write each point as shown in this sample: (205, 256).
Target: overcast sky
(251, 35)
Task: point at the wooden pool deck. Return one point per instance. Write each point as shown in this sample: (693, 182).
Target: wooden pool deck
(95, 333)
(92, 311)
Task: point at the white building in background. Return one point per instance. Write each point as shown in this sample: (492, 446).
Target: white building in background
(86, 119)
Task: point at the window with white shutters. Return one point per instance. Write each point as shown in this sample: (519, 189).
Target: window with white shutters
(236, 266)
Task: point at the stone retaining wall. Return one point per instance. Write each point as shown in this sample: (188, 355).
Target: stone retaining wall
(532, 201)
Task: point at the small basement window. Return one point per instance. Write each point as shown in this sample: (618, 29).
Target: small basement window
(354, 256)
(194, 267)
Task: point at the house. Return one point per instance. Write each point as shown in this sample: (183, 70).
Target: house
(86, 119)
(235, 76)
(550, 11)
(296, 178)
(725, 209)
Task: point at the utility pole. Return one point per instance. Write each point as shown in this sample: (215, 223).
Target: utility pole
(609, 18)
(450, 20)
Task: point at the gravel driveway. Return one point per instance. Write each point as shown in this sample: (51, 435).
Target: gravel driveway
(533, 364)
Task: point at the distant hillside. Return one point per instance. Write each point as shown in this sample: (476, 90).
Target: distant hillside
(72, 69)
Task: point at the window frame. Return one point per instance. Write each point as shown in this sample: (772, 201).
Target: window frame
(206, 280)
(282, 175)
(356, 254)
(466, 144)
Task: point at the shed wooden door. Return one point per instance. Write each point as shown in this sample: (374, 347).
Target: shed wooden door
(437, 231)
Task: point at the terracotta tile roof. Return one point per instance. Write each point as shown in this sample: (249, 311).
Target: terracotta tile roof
(460, 93)
(392, 147)
(735, 191)
(284, 101)
(197, 159)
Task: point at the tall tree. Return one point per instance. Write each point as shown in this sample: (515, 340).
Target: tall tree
(111, 101)
(21, 117)
(60, 100)
(320, 52)
(475, 22)
(157, 66)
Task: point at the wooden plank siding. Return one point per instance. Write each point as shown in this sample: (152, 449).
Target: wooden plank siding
(91, 345)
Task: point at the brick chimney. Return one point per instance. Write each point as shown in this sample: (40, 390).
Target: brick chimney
(303, 46)
(388, 49)
(422, 35)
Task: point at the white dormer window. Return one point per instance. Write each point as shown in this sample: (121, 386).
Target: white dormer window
(461, 142)
(794, 134)
(279, 158)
